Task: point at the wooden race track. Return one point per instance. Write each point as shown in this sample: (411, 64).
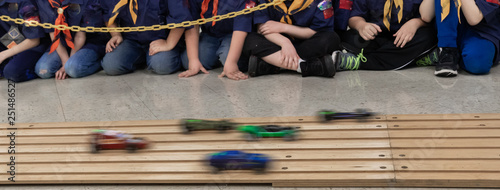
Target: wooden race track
(460, 150)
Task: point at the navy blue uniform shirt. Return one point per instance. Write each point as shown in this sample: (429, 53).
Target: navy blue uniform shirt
(226, 26)
(150, 12)
(82, 13)
(25, 9)
(311, 17)
(373, 11)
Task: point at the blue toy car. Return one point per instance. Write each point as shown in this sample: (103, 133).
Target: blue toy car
(238, 160)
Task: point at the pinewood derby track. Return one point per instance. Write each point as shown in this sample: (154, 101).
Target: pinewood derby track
(447, 150)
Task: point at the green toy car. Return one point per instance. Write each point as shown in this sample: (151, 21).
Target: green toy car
(189, 125)
(255, 132)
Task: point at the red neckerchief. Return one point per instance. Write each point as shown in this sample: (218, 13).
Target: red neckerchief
(61, 20)
(204, 8)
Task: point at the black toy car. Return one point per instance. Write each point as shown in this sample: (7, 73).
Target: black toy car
(360, 114)
(189, 125)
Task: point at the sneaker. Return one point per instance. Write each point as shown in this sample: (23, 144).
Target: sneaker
(348, 61)
(430, 59)
(447, 65)
(323, 67)
(258, 67)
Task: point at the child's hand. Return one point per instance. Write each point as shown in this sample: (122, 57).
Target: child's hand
(113, 43)
(232, 72)
(405, 33)
(194, 69)
(369, 31)
(61, 74)
(158, 46)
(289, 57)
(271, 27)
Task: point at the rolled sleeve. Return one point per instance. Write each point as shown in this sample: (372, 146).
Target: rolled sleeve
(359, 8)
(243, 22)
(490, 10)
(178, 11)
(261, 16)
(28, 11)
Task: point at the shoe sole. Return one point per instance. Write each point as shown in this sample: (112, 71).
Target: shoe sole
(446, 73)
(252, 66)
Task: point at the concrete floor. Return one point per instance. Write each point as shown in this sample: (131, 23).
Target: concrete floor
(145, 96)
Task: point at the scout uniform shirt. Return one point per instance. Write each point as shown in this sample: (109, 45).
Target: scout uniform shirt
(314, 17)
(226, 26)
(25, 9)
(82, 13)
(390, 15)
(148, 13)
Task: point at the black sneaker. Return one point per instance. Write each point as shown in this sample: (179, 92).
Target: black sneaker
(258, 67)
(323, 67)
(447, 65)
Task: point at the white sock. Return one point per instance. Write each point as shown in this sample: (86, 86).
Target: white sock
(298, 68)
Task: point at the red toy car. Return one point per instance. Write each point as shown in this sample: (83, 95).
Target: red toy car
(109, 139)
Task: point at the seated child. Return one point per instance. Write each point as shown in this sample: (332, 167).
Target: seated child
(21, 46)
(296, 35)
(385, 35)
(74, 54)
(468, 34)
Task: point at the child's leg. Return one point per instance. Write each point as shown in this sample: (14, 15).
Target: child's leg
(83, 63)
(124, 59)
(319, 45)
(447, 29)
(48, 65)
(165, 62)
(22, 66)
(477, 53)
(223, 49)
(258, 45)
(208, 51)
(390, 57)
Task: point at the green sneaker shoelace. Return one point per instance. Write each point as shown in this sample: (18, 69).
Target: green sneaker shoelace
(352, 62)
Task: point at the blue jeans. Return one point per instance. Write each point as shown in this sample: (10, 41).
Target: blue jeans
(213, 50)
(81, 64)
(130, 54)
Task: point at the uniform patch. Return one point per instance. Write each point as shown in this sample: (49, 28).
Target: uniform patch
(345, 4)
(328, 13)
(250, 4)
(325, 4)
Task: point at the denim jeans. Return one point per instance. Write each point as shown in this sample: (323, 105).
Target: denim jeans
(130, 54)
(212, 50)
(83, 63)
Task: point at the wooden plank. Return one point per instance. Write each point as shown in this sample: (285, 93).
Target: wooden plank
(120, 156)
(463, 166)
(437, 143)
(441, 117)
(198, 178)
(430, 125)
(446, 154)
(265, 144)
(201, 136)
(445, 133)
(200, 167)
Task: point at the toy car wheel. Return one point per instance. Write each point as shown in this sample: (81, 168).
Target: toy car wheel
(323, 117)
(94, 148)
(250, 137)
(131, 148)
(216, 170)
(187, 130)
(290, 137)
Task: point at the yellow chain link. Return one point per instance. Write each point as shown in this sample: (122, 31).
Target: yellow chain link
(140, 28)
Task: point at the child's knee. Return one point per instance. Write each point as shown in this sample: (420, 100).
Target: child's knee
(163, 68)
(477, 63)
(72, 70)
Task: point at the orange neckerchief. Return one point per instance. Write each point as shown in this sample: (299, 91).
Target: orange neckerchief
(133, 8)
(61, 20)
(388, 12)
(204, 8)
(295, 7)
(445, 6)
